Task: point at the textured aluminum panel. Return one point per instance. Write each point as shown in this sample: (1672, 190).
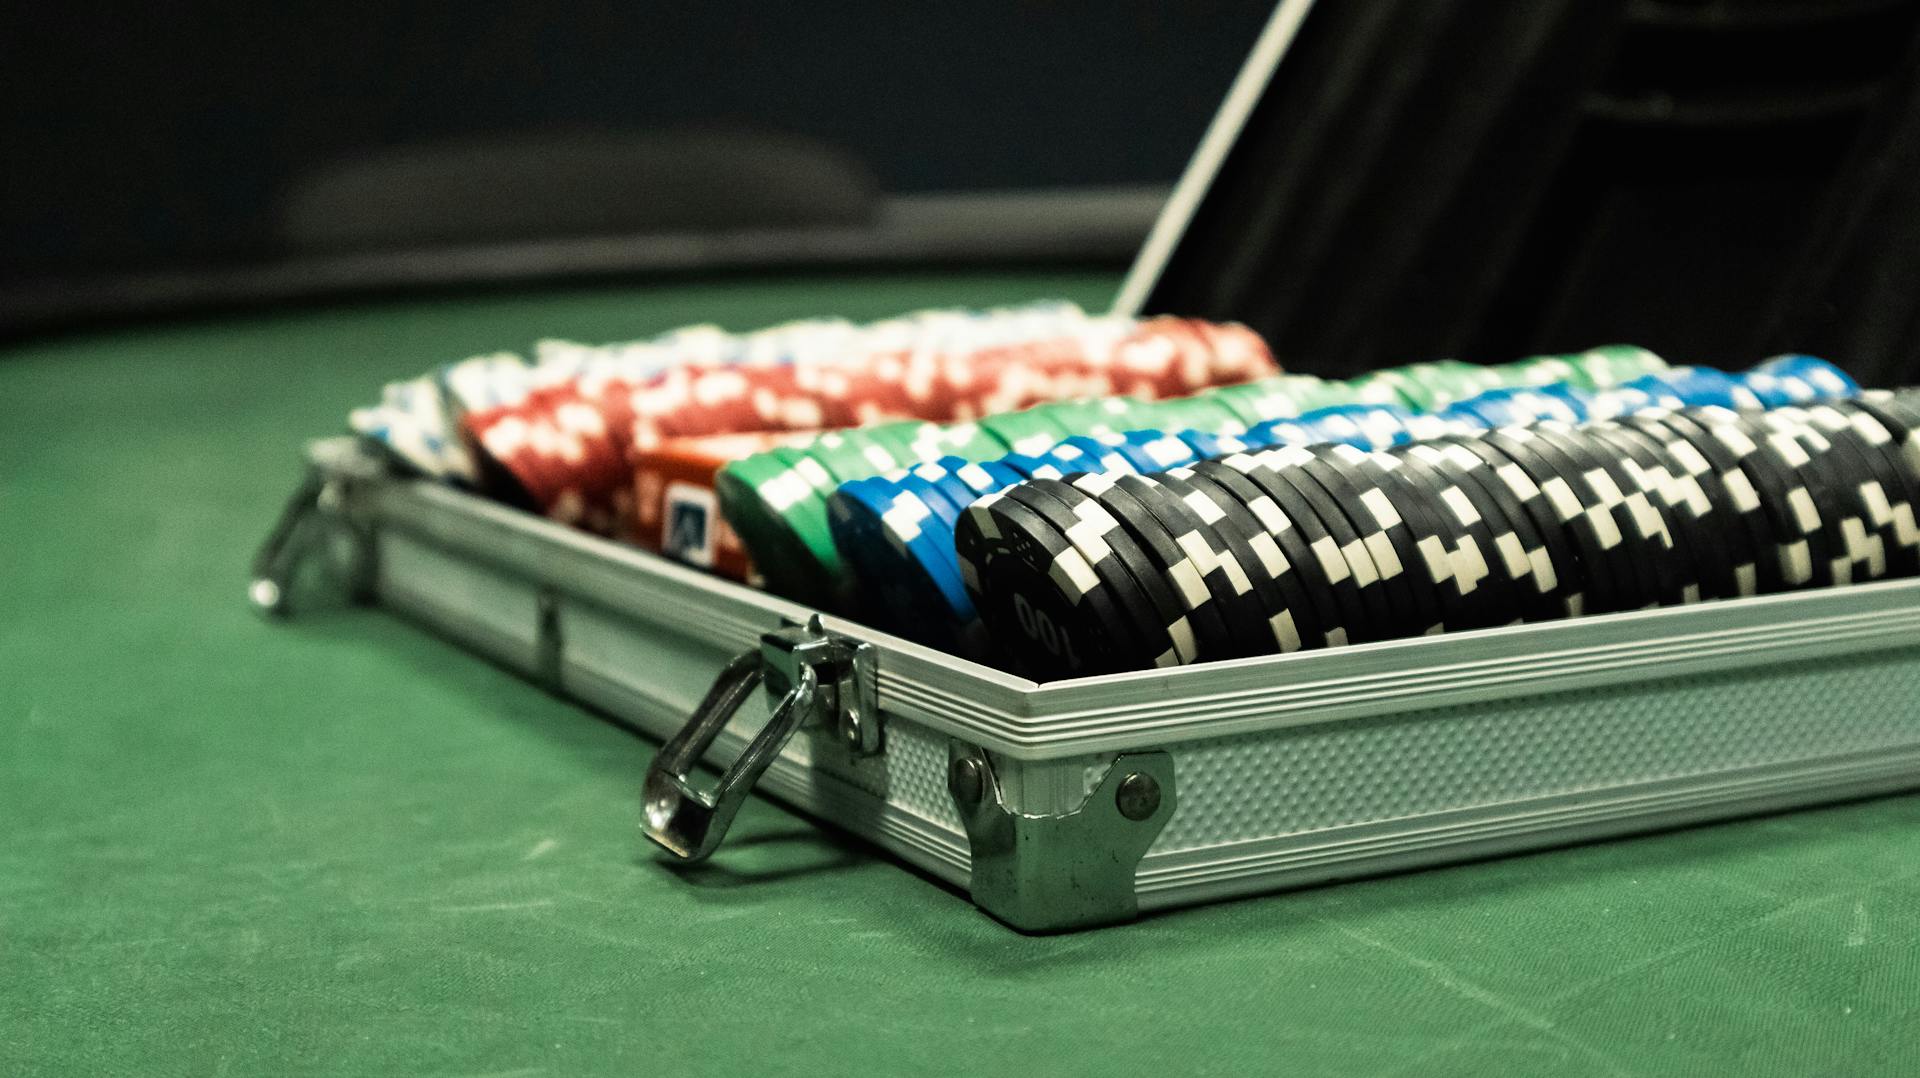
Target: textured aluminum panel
(1447, 759)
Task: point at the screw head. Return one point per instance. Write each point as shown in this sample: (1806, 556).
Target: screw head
(850, 732)
(967, 780)
(1137, 797)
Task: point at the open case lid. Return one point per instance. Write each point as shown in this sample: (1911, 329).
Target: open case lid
(1718, 180)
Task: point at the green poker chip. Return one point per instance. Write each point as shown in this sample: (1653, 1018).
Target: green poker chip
(1394, 386)
(904, 442)
(1544, 371)
(853, 454)
(970, 441)
(780, 514)
(1282, 396)
(1612, 364)
(1449, 380)
(1098, 415)
(1032, 432)
(1203, 413)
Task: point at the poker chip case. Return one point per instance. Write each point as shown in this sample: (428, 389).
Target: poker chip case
(1086, 801)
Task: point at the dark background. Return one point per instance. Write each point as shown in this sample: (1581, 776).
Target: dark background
(188, 136)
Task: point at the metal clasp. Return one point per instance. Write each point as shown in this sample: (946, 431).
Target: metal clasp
(316, 520)
(811, 676)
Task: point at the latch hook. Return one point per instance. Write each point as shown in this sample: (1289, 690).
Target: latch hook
(814, 675)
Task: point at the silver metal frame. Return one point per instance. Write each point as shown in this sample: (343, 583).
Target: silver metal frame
(1268, 773)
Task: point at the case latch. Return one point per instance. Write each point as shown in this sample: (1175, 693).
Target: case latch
(316, 523)
(812, 676)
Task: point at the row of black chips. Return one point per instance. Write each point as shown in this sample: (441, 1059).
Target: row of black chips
(1316, 546)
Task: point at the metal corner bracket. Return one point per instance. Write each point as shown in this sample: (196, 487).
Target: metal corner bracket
(811, 675)
(1049, 873)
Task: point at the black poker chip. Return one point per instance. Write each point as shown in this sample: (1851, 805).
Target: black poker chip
(1491, 560)
(1208, 551)
(1871, 487)
(1376, 533)
(1904, 439)
(1890, 495)
(1441, 552)
(1171, 627)
(1293, 536)
(1144, 647)
(1563, 576)
(1643, 547)
(1290, 622)
(1900, 413)
(1156, 541)
(1558, 489)
(1031, 585)
(1378, 620)
(1750, 538)
(1537, 563)
(1832, 472)
(1401, 512)
(1699, 530)
(1799, 534)
(1680, 583)
(1713, 541)
(1879, 442)
(1444, 562)
(1324, 558)
(1903, 405)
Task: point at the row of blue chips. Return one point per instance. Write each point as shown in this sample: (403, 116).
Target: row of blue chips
(896, 531)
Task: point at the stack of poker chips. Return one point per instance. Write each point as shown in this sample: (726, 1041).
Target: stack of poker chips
(1290, 548)
(567, 450)
(418, 421)
(917, 511)
(778, 503)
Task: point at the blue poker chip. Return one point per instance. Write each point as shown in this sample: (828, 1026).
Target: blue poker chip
(1335, 428)
(1646, 391)
(1477, 414)
(1427, 426)
(1277, 432)
(1085, 453)
(1150, 451)
(1363, 426)
(900, 547)
(1701, 387)
(981, 477)
(1031, 467)
(1798, 379)
(946, 513)
(963, 481)
(1209, 446)
(1532, 404)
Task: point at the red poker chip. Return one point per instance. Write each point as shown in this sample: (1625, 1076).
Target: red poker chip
(1239, 354)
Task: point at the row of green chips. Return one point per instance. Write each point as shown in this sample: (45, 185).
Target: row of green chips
(1426, 387)
(777, 500)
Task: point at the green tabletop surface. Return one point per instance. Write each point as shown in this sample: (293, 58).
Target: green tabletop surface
(339, 846)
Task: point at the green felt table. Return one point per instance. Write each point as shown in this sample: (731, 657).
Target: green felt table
(340, 846)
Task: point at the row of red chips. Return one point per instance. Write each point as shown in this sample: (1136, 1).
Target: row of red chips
(568, 450)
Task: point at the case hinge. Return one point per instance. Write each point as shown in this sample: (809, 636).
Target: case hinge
(812, 676)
